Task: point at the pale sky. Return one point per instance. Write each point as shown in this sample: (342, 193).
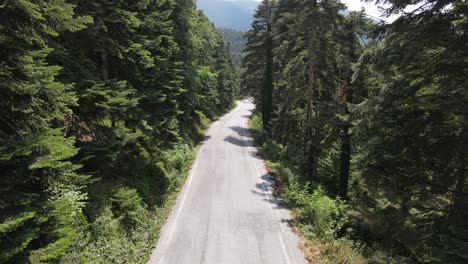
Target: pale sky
(371, 9)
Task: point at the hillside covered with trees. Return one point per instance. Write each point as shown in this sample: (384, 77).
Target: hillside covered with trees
(236, 41)
(101, 105)
(365, 126)
(235, 14)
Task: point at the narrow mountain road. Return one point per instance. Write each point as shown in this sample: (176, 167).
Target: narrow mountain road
(226, 213)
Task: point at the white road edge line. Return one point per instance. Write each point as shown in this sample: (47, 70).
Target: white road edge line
(184, 195)
(265, 190)
(191, 175)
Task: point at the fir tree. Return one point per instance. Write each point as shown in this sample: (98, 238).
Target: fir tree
(415, 129)
(257, 79)
(41, 198)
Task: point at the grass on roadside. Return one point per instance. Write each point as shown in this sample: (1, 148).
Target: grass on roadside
(127, 215)
(319, 219)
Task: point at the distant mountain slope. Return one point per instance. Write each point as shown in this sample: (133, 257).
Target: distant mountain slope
(236, 41)
(236, 14)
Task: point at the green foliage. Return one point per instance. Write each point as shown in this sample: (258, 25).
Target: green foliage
(127, 219)
(66, 222)
(177, 162)
(407, 130)
(236, 42)
(375, 114)
(210, 78)
(256, 127)
(109, 242)
(41, 202)
(271, 150)
(127, 207)
(321, 216)
(284, 174)
(97, 100)
(206, 82)
(345, 251)
(257, 77)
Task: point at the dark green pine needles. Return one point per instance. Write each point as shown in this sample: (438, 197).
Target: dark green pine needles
(374, 113)
(93, 95)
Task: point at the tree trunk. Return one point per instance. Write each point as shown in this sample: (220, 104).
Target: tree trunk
(345, 155)
(345, 160)
(311, 133)
(459, 198)
(104, 66)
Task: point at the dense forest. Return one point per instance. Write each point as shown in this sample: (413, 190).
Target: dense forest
(365, 125)
(236, 42)
(101, 105)
(235, 14)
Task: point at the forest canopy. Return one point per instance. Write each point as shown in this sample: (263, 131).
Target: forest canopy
(372, 113)
(101, 105)
(364, 123)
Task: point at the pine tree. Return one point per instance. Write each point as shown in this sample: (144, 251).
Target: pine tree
(236, 41)
(308, 59)
(41, 200)
(227, 77)
(353, 31)
(381, 111)
(413, 129)
(257, 80)
(93, 93)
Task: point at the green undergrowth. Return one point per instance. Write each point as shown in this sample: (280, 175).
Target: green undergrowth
(324, 222)
(127, 215)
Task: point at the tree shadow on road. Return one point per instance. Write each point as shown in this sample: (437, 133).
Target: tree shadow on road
(238, 142)
(243, 142)
(264, 189)
(240, 131)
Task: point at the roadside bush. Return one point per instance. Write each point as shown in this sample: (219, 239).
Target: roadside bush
(284, 176)
(128, 207)
(177, 159)
(343, 251)
(319, 215)
(271, 150)
(107, 242)
(256, 128)
(320, 219)
(202, 123)
(176, 162)
(287, 174)
(127, 215)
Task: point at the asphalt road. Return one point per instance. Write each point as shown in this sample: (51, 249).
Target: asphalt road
(226, 213)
